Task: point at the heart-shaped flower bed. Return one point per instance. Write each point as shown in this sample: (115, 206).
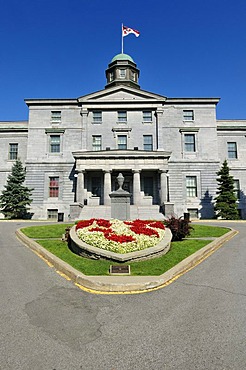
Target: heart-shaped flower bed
(120, 236)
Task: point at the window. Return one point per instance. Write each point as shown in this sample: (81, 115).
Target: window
(122, 73)
(122, 142)
(52, 214)
(232, 150)
(189, 143)
(55, 143)
(133, 76)
(56, 116)
(96, 142)
(54, 187)
(122, 116)
(193, 212)
(188, 115)
(147, 116)
(97, 116)
(237, 189)
(13, 151)
(191, 186)
(148, 142)
(111, 76)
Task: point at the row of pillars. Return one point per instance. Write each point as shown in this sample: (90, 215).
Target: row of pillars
(136, 187)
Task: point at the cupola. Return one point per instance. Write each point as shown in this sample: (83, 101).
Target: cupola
(122, 70)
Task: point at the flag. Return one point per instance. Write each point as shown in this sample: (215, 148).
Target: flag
(127, 30)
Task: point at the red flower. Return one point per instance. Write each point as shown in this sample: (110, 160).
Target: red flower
(119, 238)
(101, 229)
(139, 227)
(100, 222)
(157, 224)
(144, 230)
(84, 223)
(103, 223)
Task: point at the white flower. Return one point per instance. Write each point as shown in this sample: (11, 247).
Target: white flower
(98, 239)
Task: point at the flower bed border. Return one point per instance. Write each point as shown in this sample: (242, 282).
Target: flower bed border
(85, 250)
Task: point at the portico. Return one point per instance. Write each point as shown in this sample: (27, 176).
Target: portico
(145, 176)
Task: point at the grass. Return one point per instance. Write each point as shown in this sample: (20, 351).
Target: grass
(202, 231)
(46, 231)
(156, 266)
(49, 237)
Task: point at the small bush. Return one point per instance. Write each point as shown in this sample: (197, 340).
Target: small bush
(179, 227)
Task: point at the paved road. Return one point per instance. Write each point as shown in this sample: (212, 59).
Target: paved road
(197, 322)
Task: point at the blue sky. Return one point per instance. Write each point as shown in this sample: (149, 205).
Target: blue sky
(60, 49)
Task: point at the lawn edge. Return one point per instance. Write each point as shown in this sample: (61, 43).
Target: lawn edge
(124, 284)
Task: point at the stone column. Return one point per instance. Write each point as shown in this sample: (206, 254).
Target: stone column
(159, 124)
(136, 187)
(164, 190)
(107, 188)
(84, 128)
(80, 186)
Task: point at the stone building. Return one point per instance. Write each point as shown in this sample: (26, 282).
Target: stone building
(168, 150)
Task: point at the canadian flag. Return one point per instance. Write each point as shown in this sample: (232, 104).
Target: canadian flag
(127, 30)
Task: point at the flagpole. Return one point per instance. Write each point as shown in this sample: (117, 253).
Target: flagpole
(122, 39)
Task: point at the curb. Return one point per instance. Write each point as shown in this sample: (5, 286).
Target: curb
(125, 284)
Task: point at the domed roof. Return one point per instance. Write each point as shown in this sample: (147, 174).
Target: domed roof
(122, 57)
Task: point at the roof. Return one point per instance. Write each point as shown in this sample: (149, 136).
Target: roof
(122, 56)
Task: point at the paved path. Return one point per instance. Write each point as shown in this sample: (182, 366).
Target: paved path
(197, 322)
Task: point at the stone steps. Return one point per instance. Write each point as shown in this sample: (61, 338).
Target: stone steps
(88, 212)
(136, 212)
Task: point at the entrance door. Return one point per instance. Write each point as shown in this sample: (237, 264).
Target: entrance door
(148, 186)
(96, 186)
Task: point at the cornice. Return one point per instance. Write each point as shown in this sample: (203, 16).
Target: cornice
(116, 154)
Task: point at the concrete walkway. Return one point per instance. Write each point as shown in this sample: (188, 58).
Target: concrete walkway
(125, 284)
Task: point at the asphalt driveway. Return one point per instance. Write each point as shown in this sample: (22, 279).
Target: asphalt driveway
(197, 322)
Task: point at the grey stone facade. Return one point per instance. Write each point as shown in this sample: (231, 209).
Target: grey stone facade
(168, 149)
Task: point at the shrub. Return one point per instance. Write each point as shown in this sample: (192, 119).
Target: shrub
(179, 227)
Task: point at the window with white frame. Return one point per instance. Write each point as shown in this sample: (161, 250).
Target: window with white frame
(54, 187)
(189, 142)
(191, 186)
(122, 142)
(13, 151)
(148, 142)
(237, 189)
(55, 143)
(232, 150)
(97, 116)
(56, 116)
(147, 116)
(122, 116)
(96, 142)
(188, 115)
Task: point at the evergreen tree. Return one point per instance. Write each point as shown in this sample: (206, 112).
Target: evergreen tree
(225, 202)
(15, 199)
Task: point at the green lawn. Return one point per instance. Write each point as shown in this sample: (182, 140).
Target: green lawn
(46, 231)
(156, 266)
(201, 231)
(49, 236)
